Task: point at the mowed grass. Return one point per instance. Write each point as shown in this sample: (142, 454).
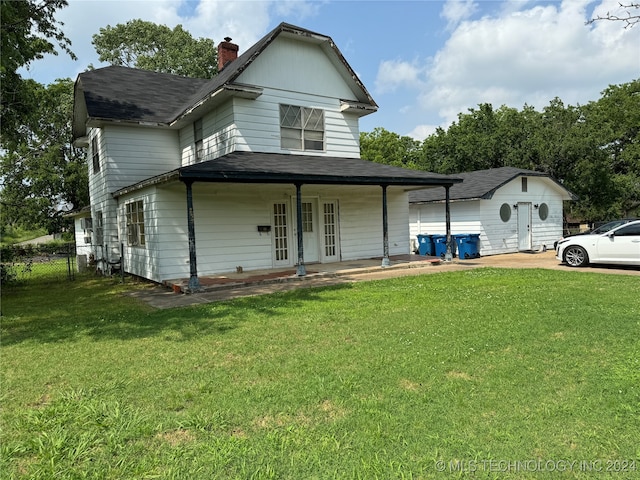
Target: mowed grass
(443, 375)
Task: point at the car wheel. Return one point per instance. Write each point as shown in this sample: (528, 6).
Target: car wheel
(576, 256)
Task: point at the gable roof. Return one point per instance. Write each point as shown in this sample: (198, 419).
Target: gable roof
(251, 167)
(479, 185)
(132, 95)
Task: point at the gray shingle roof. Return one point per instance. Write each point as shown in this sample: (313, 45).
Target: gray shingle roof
(129, 94)
(480, 184)
(270, 168)
(252, 167)
(133, 95)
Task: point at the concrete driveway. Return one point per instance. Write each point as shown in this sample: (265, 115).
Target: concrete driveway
(163, 297)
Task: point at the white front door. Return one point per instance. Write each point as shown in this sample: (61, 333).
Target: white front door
(524, 226)
(310, 231)
(281, 252)
(330, 237)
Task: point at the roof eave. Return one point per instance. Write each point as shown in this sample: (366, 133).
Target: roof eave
(157, 180)
(357, 108)
(225, 92)
(288, 178)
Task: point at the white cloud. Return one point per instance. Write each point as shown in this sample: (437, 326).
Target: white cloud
(393, 74)
(245, 21)
(528, 56)
(420, 132)
(456, 11)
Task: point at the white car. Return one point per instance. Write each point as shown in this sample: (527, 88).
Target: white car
(620, 245)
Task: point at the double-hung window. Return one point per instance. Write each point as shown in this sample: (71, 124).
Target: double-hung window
(86, 224)
(135, 223)
(301, 128)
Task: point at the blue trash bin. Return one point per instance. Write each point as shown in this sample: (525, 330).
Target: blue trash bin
(425, 245)
(440, 245)
(468, 245)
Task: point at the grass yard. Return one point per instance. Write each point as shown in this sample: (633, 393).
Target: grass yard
(486, 373)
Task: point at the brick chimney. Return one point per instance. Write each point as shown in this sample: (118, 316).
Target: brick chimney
(227, 53)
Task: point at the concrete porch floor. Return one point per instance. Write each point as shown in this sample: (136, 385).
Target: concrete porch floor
(232, 280)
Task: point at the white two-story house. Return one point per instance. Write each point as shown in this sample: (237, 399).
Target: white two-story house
(257, 167)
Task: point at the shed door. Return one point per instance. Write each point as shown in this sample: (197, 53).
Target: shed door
(524, 226)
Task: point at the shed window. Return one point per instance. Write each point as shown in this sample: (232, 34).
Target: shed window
(505, 212)
(301, 128)
(524, 184)
(543, 211)
(135, 223)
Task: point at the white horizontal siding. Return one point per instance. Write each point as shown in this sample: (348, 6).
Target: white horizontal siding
(289, 64)
(254, 125)
(483, 216)
(361, 222)
(226, 219)
(135, 154)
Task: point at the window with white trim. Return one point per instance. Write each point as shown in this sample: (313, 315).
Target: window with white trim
(98, 229)
(95, 155)
(135, 223)
(301, 128)
(198, 139)
(86, 224)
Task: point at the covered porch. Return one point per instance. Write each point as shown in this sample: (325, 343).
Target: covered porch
(314, 272)
(301, 171)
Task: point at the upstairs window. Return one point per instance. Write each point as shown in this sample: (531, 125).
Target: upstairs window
(135, 223)
(95, 154)
(301, 128)
(198, 139)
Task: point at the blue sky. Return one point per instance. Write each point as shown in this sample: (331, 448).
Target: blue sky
(423, 61)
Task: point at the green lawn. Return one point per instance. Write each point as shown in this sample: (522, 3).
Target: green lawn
(479, 374)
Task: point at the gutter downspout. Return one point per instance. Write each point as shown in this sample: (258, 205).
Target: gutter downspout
(301, 271)
(385, 229)
(448, 256)
(194, 283)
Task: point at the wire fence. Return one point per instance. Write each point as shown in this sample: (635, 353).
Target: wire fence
(54, 261)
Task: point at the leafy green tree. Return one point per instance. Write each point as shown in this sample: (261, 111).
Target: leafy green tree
(593, 150)
(148, 46)
(614, 122)
(382, 146)
(29, 31)
(43, 175)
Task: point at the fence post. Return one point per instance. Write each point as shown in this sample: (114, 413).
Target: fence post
(70, 266)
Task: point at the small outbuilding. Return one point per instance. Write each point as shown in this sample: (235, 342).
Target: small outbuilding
(513, 210)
